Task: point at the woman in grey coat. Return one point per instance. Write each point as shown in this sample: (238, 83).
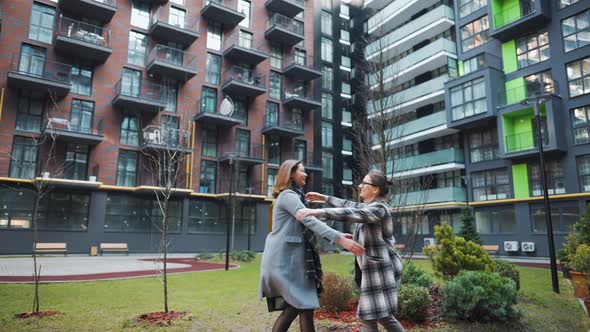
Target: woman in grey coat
(290, 272)
(378, 270)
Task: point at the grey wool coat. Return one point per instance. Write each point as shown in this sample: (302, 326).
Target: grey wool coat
(282, 271)
(381, 264)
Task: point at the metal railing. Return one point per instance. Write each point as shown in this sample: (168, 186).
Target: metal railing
(244, 75)
(306, 157)
(241, 150)
(231, 4)
(289, 24)
(238, 186)
(173, 56)
(304, 60)
(512, 14)
(240, 39)
(516, 94)
(274, 121)
(524, 141)
(112, 3)
(165, 137)
(79, 126)
(140, 89)
(297, 93)
(85, 32)
(190, 23)
(39, 67)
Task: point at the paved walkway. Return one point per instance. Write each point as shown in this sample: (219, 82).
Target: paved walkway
(84, 268)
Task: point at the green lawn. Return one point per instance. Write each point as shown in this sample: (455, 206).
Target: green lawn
(227, 301)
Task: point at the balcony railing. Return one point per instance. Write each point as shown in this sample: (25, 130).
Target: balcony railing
(430, 159)
(524, 141)
(165, 137)
(414, 126)
(173, 56)
(300, 59)
(244, 75)
(190, 23)
(289, 24)
(307, 157)
(85, 32)
(83, 125)
(143, 90)
(239, 187)
(273, 121)
(241, 152)
(409, 95)
(518, 93)
(39, 67)
(512, 14)
(430, 196)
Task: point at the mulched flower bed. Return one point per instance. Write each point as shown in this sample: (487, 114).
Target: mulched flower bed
(160, 317)
(352, 323)
(39, 314)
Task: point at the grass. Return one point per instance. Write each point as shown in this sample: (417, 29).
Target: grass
(227, 301)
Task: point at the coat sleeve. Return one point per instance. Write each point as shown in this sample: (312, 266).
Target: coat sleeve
(339, 202)
(290, 202)
(369, 214)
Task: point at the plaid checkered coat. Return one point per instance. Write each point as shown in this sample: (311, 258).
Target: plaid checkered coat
(381, 264)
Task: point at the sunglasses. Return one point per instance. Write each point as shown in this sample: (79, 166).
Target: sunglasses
(368, 184)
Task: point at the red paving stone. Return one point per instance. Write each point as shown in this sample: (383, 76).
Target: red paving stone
(194, 267)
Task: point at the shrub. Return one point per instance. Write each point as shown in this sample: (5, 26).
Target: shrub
(480, 296)
(581, 259)
(205, 255)
(338, 291)
(506, 269)
(454, 254)
(413, 275)
(468, 230)
(413, 303)
(243, 255)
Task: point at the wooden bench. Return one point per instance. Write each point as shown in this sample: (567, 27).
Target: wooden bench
(41, 247)
(492, 248)
(114, 247)
(400, 246)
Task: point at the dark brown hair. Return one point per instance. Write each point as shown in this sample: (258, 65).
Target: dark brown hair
(379, 180)
(283, 180)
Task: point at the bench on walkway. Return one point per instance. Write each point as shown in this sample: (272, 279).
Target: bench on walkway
(400, 246)
(492, 249)
(114, 247)
(41, 247)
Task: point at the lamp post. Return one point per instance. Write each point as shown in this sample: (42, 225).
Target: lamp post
(231, 156)
(537, 100)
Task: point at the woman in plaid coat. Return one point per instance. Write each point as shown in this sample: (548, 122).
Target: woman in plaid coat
(380, 266)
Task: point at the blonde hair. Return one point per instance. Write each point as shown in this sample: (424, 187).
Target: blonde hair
(283, 180)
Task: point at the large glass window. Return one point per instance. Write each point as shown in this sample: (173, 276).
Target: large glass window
(177, 17)
(76, 163)
(327, 165)
(140, 14)
(129, 131)
(209, 142)
(300, 148)
(475, 34)
(127, 168)
(327, 110)
(499, 220)
(214, 35)
(326, 20)
(213, 68)
(327, 50)
(562, 218)
(29, 112)
(272, 114)
(483, 145)
(473, 64)
(576, 31)
(467, 7)
(208, 100)
(565, 3)
(490, 185)
(275, 85)
(327, 78)
(468, 99)
(555, 178)
(125, 213)
(208, 176)
(274, 150)
(81, 80)
(130, 82)
(270, 180)
(81, 116)
(32, 60)
(137, 50)
(16, 208)
(41, 24)
(23, 161)
(578, 76)
(206, 216)
(276, 56)
(64, 211)
(241, 111)
(243, 142)
(532, 49)
(584, 172)
(171, 95)
(327, 135)
(581, 124)
(244, 8)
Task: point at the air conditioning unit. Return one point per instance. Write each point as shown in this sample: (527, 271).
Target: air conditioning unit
(511, 246)
(528, 246)
(429, 241)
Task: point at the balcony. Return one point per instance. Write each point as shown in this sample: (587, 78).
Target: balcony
(162, 138)
(514, 18)
(241, 154)
(171, 29)
(287, 129)
(139, 96)
(300, 98)
(430, 196)
(300, 68)
(428, 163)
(284, 30)
(102, 10)
(240, 49)
(222, 11)
(310, 163)
(289, 8)
(243, 82)
(430, 126)
(171, 63)
(209, 113)
(79, 131)
(248, 189)
(83, 40)
(394, 13)
(409, 35)
(32, 72)
(425, 59)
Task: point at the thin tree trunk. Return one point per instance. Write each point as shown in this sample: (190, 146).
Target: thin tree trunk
(165, 251)
(36, 273)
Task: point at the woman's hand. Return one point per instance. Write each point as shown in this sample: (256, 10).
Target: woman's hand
(313, 196)
(304, 213)
(350, 245)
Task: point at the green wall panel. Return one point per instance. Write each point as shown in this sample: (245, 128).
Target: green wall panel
(515, 91)
(509, 56)
(461, 70)
(520, 180)
(505, 11)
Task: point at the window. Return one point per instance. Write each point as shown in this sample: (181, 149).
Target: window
(270, 181)
(452, 219)
(29, 111)
(76, 162)
(538, 83)
(490, 185)
(272, 114)
(297, 118)
(214, 33)
(475, 34)
(496, 220)
(206, 216)
(23, 161)
(327, 110)
(127, 168)
(246, 39)
(16, 210)
(274, 150)
(140, 14)
(64, 211)
(468, 99)
(81, 116)
(555, 178)
(209, 142)
(327, 78)
(467, 7)
(41, 24)
(243, 142)
(327, 165)
(169, 131)
(565, 3)
(562, 218)
(275, 85)
(171, 94)
(125, 213)
(244, 8)
(327, 136)
(584, 172)
(208, 176)
(576, 31)
(581, 124)
(578, 76)
(213, 69)
(327, 4)
(177, 17)
(483, 145)
(327, 50)
(129, 131)
(474, 64)
(81, 80)
(32, 60)
(344, 10)
(137, 50)
(208, 100)
(326, 20)
(131, 82)
(300, 149)
(532, 49)
(276, 56)
(417, 225)
(241, 111)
